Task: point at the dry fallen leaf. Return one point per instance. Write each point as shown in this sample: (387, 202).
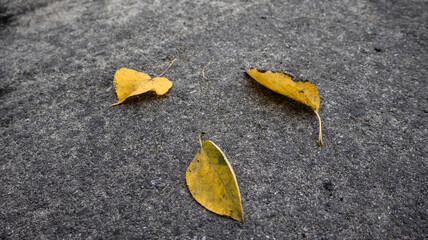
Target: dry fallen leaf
(212, 182)
(283, 83)
(128, 83)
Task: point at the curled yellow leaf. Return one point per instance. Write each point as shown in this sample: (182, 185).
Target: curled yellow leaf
(283, 83)
(129, 82)
(212, 182)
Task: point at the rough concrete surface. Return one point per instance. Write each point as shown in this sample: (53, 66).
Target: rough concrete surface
(71, 167)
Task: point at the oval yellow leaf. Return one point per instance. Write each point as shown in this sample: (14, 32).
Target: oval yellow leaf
(212, 182)
(283, 83)
(129, 82)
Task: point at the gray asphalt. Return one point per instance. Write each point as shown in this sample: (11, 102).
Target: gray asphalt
(71, 167)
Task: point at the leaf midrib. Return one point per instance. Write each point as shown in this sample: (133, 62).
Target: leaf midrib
(219, 176)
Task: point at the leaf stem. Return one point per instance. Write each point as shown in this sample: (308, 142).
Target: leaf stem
(199, 137)
(320, 143)
(167, 67)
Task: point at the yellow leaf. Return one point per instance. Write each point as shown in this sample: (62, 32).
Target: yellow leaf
(128, 83)
(283, 83)
(212, 182)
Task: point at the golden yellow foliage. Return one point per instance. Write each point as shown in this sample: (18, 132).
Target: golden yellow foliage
(283, 83)
(128, 83)
(212, 182)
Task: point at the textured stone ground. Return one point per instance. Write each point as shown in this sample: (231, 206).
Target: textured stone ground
(71, 167)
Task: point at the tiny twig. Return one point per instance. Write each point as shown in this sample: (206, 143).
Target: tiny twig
(203, 69)
(167, 67)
